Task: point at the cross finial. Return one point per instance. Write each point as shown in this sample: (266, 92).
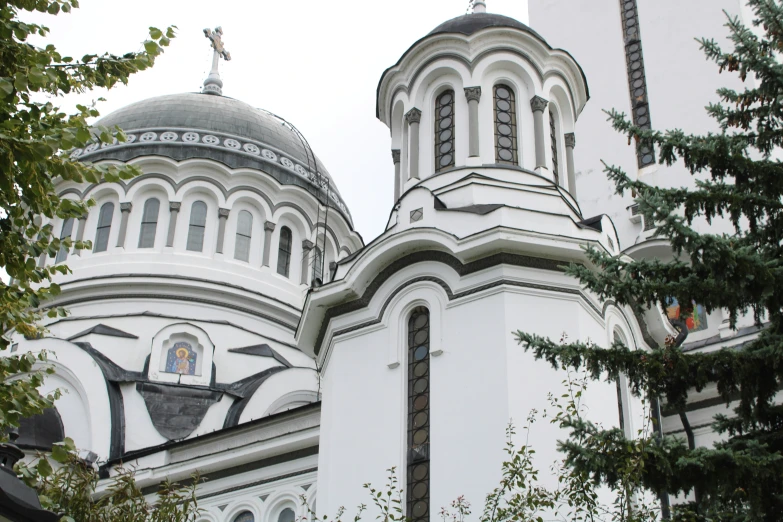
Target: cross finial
(213, 84)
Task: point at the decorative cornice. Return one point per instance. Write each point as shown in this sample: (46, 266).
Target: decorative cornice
(395, 155)
(174, 206)
(413, 116)
(570, 140)
(223, 212)
(538, 104)
(473, 93)
(126, 207)
(178, 137)
(268, 225)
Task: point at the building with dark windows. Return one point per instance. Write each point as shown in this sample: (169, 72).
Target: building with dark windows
(229, 320)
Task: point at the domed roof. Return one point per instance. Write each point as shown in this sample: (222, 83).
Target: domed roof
(195, 125)
(472, 23)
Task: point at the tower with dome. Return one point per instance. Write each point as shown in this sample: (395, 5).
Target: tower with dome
(229, 319)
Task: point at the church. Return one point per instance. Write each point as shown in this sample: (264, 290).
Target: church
(230, 321)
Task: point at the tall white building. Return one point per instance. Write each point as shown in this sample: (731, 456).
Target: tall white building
(229, 320)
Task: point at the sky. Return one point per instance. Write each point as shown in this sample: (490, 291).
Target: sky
(316, 63)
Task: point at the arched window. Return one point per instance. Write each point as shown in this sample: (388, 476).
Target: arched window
(244, 232)
(284, 252)
(198, 223)
(104, 228)
(505, 125)
(444, 131)
(418, 497)
(318, 265)
(287, 515)
(66, 231)
(245, 516)
(553, 139)
(622, 404)
(149, 223)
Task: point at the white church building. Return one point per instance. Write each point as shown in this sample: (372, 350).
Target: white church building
(229, 320)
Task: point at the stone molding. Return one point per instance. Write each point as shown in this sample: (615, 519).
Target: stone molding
(538, 104)
(413, 116)
(473, 93)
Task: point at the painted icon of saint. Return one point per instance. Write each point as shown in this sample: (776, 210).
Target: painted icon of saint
(181, 359)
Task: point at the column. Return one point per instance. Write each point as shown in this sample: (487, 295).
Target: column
(538, 104)
(413, 117)
(473, 94)
(570, 143)
(397, 180)
(269, 227)
(306, 247)
(222, 217)
(174, 207)
(80, 233)
(125, 209)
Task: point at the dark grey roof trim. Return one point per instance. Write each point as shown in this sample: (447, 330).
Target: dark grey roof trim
(165, 316)
(715, 339)
(247, 387)
(261, 350)
(102, 329)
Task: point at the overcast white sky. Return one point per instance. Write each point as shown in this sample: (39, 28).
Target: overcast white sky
(314, 62)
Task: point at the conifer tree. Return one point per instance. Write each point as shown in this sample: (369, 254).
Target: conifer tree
(741, 477)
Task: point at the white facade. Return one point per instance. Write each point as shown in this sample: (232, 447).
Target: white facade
(277, 363)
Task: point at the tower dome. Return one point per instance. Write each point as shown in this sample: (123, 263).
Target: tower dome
(207, 126)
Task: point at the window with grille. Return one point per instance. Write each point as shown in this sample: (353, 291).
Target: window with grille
(104, 228)
(244, 233)
(284, 252)
(444, 131)
(418, 463)
(66, 231)
(197, 226)
(318, 265)
(553, 139)
(505, 125)
(149, 223)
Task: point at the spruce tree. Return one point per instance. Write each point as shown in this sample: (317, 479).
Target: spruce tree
(741, 477)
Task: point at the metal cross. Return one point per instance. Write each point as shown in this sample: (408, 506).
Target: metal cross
(216, 38)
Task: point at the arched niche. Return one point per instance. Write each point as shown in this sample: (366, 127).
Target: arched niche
(181, 353)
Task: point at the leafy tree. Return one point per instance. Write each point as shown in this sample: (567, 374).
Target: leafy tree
(67, 484)
(35, 137)
(740, 478)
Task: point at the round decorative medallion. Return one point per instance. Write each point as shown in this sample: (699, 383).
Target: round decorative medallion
(232, 144)
(301, 170)
(110, 144)
(148, 136)
(91, 147)
(251, 148)
(130, 138)
(268, 154)
(210, 139)
(168, 136)
(190, 137)
(287, 163)
(76, 153)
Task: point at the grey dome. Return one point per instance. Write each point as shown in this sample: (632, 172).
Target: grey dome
(472, 23)
(195, 125)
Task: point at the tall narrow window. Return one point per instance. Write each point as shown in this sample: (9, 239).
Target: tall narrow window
(617, 337)
(104, 228)
(444, 131)
(284, 252)
(418, 485)
(505, 125)
(198, 223)
(244, 232)
(553, 139)
(66, 231)
(149, 223)
(318, 265)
